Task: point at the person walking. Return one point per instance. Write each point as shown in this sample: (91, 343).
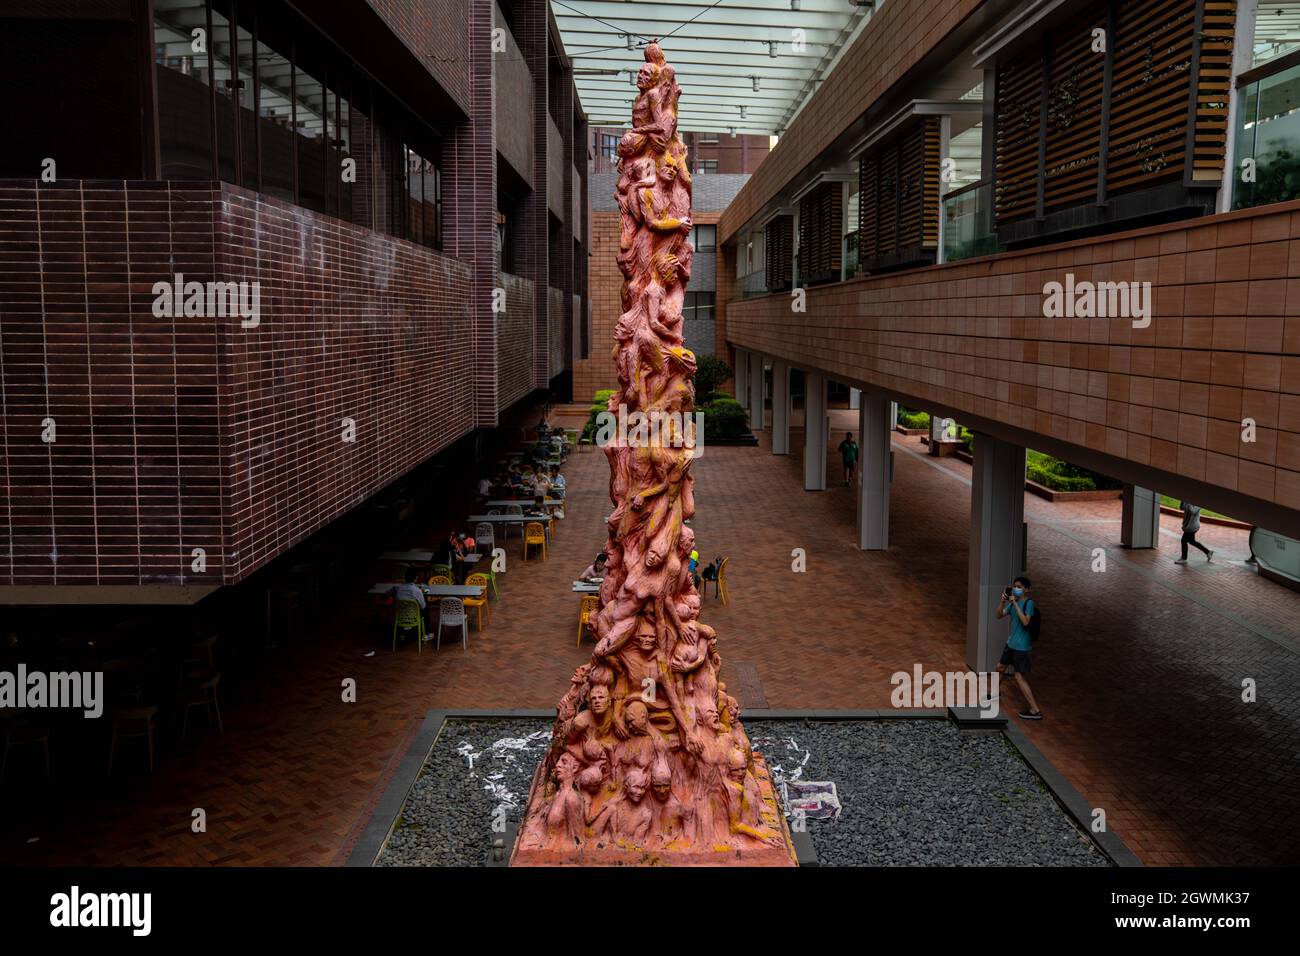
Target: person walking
(1017, 603)
(1191, 525)
(849, 455)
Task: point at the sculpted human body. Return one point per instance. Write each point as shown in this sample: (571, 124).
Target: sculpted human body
(648, 753)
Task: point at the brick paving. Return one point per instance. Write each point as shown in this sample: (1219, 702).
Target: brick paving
(1139, 672)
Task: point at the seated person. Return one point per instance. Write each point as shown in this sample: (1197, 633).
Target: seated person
(485, 487)
(595, 572)
(538, 508)
(541, 484)
(450, 549)
(557, 483)
(410, 591)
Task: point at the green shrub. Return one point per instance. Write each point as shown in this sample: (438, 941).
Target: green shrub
(1057, 482)
(725, 420)
(720, 400)
(602, 396)
(1062, 476)
(589, 429)
(710, 372)
(911, 419)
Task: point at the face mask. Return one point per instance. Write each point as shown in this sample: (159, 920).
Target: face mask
(1017, 591)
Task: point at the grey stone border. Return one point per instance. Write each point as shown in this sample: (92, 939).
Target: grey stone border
(375, 835)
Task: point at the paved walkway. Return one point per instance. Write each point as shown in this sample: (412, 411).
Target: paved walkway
(1139, 671)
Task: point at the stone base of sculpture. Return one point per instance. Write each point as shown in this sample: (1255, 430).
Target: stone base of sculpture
(671, 849)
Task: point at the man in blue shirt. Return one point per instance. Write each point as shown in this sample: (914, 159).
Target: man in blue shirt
(1017, 603)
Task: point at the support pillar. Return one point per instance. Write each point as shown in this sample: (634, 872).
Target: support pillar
(893, 415)
(874, 473)
(756, 391)
(1141, 518)
(815, 432)
(780, 407)
(742, 377)
(996, 545)
(855, 398)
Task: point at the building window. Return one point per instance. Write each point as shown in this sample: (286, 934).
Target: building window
(609, 146)
(310, 125)
(704, 238)
(423, 199)
(184, 98)
(698, 307)
(275, 119)
(706, 165)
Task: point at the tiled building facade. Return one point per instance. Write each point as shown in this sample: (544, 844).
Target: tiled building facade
(710, 195)
(181, 452)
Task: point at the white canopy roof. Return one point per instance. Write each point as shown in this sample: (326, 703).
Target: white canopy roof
(721, 50)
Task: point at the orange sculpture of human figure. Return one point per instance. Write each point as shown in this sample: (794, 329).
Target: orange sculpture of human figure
(648, 761)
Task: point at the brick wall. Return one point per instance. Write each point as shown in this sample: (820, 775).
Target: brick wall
(515, 333)
(436, 31)
(970, 339)
(175, 434)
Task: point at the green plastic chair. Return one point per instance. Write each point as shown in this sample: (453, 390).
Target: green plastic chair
(442, 569)
(408, 615)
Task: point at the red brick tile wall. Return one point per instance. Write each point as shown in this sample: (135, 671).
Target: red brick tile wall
(970, 337)
(438, 32)
(180, 433)
(515, 333)
(893, 42)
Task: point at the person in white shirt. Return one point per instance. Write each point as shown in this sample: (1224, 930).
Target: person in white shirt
(485, 487)
(595, 571)
(558, 483)
(410, 591)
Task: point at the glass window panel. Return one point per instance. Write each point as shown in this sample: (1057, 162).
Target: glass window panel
(309, 123)
(275, 116)
(414, 195)
(344, 153)
(245, 97)
(223, 80)
(184, 97)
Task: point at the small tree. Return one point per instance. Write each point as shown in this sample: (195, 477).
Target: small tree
(710, 372)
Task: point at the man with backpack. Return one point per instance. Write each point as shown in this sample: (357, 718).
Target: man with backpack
(1025, 622)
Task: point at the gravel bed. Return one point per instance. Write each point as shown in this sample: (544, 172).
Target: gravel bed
(912, 792)
(920, 793)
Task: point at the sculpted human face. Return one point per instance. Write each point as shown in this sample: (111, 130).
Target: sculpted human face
(600, 700)
(711, 718)
(645, 638)
(635, 788)
(662, 790)
(638, 720)
(647, 77)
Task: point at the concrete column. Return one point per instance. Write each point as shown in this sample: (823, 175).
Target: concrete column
(756, 391)
(893, 415)
(874, 473)
(996, 545)
(742, 377)
(1141, 518)
(855, 397)
(780, 407)
(815, 435)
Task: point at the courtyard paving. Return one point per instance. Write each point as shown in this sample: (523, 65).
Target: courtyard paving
(1139, 671)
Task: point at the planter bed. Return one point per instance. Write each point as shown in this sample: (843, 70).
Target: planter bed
(1044, 492)
(1209, 519)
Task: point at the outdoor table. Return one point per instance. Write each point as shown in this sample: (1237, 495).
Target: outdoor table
(408, 557)
(514, 519)
(585, 587)
(504, 502)
(436, 590)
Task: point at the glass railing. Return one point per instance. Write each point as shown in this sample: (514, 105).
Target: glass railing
(1268, 139)
(968, 223)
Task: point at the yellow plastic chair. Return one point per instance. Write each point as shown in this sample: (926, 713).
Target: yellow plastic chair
(439, 579)
(534, 533)
(408, 615)
(478, 604)
(586, 610)
(721, 583)
(443, 569)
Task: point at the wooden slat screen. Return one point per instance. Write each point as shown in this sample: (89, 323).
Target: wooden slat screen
(821, 233)
(778, 244)
(1143, 129)
(898, 193)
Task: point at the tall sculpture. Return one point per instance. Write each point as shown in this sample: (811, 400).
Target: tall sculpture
(649, 762)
